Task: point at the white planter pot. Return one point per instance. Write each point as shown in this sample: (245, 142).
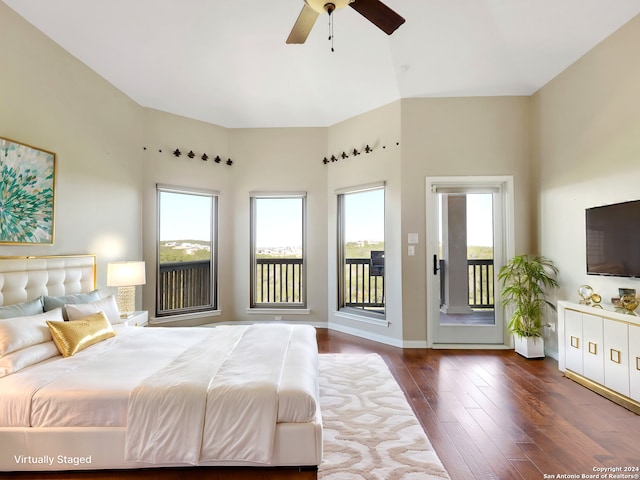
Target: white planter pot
(529, 347)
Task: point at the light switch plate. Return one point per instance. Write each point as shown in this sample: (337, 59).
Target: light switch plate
(412, 238)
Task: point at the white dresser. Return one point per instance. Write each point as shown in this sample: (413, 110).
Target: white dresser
(600, 349)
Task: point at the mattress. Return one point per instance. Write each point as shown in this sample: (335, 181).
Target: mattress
(91, 393)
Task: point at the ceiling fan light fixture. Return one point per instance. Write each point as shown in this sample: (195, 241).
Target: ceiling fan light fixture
(322, 6)
(373, 10)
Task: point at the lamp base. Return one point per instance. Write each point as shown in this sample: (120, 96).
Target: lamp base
(126, 301)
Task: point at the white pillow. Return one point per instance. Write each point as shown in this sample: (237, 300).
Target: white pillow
(21, 332)
(25, 357)
(106, 305)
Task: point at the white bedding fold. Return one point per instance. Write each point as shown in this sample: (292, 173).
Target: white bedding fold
(218, 401)
(242, 403)
(165, 417)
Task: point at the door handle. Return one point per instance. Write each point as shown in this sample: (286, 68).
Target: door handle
(435, 265)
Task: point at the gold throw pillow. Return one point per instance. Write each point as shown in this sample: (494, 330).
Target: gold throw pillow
(76, 335)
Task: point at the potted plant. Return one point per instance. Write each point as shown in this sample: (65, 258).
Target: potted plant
(525, 281)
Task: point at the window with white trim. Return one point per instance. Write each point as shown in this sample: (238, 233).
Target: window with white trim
(186, 280)
(278, 271)
(361, 277)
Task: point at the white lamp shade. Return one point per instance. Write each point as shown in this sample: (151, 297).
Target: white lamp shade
(125, 274)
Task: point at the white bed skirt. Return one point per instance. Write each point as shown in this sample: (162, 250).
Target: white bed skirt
(49, 449)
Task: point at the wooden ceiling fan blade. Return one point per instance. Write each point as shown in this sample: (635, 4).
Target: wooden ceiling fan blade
(379, 14)
(303, 25)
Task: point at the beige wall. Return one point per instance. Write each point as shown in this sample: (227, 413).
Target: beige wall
(275, 160)
(50, 100)
(484, 136)
(163, 133)
(380, 129)
(280, 160)
(586, 138)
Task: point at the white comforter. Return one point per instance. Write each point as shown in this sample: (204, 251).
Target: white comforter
(184, 394)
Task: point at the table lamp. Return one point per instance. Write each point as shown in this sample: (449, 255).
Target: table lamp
(125, 276)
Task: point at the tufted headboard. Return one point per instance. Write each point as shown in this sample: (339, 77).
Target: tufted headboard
(26, 278)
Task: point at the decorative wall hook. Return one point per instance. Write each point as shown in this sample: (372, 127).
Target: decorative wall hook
(204, 157)
(352, 153)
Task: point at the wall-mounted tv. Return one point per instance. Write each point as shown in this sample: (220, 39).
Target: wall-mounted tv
(613, 239)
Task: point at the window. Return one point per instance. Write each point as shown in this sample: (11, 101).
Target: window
(278, 277)
(187, 251)
(361, 250)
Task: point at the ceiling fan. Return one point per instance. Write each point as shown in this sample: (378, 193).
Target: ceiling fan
(373, 10)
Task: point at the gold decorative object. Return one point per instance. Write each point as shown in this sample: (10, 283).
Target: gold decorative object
(586, 293)
(629, 303)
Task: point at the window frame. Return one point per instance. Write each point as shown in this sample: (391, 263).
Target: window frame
(293, 306)
(341, 259)
(213, 195)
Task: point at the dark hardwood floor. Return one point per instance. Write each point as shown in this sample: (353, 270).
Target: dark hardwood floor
(488, 414)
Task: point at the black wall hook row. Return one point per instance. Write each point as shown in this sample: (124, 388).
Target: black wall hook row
(204, 157)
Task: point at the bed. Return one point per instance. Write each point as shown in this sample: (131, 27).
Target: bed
(229, 395)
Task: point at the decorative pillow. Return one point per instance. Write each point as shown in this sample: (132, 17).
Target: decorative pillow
(107, 305)
(26, 357)
(21, 332)
(51, 302)
(24, 309)
(76, 335)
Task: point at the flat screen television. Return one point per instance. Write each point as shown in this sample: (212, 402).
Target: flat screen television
(613, 239)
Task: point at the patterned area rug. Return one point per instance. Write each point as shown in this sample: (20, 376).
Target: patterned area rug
(370, 431)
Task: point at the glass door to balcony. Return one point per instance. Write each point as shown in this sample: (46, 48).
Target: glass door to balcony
(465, 248)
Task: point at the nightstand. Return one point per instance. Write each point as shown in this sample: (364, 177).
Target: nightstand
(138, 319)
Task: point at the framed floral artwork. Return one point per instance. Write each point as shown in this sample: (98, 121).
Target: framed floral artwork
(27, 184)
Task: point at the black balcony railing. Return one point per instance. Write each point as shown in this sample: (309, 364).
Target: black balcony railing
(480, 285)
(184, 286)
(363, 285)
(481, 288)
(279, 280)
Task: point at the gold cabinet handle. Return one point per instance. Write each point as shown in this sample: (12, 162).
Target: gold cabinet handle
(575, 342)
(593, 348)
(614, 355)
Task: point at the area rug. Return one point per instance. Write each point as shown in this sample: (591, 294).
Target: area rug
(370, 431)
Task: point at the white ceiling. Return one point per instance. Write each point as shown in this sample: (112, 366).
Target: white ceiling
(226, 61)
